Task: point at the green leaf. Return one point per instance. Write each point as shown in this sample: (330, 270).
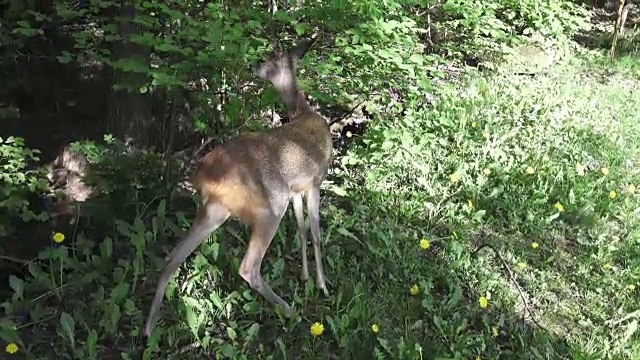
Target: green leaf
(92, 344)
(228, 350)
(344, 232)
(254, 24)
(65, 58)
(282, 347)
(120, 292)
(631, 328)
(385, 344)
(300, 29)
(106, 248)
(17, 285)
(417, 58)
(386, 145)
(8, 331)
(68, 327)
(253, 330)
(216, 300)
(192, 319)
(479, 215)
(338, 190)
(231, 333)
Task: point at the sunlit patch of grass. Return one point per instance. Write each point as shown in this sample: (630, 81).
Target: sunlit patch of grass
(560, 157)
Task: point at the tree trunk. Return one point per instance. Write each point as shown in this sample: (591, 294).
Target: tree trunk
(130, 117)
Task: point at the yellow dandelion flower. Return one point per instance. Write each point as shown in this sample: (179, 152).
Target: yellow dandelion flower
(631, 189)
(535, 245)
(559, 206)
(316, 329)
(454, 177)
(473, 124)
(612, 194)
(414, 290)
(579, 169)
(631, 287)
(604, 171)
(11, 348)
(58, 237)
(486, 171)
(607, 266)
(530, 170)
(470, 204)
(478, 357)
(424, 244)
(483, 302)
(522, 265)
(375, 328)
(494, 331)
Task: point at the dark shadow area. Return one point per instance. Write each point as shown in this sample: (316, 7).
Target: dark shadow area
(47, 102)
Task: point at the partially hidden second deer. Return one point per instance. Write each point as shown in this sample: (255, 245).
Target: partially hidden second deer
(254, 176)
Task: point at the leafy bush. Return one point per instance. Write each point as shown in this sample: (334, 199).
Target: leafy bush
(21, 184)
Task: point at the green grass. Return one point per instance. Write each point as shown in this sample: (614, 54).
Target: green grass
(398, 190)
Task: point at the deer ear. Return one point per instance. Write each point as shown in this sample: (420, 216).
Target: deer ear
(299, 51)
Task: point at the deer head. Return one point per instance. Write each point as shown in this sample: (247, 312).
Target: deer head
(279, 66)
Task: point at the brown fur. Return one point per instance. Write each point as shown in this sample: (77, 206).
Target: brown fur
(254, 177)
(243, 172)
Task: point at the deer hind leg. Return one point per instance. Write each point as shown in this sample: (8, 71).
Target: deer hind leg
(313, 206)
(209, 218)
(265, 226)
(302, 233)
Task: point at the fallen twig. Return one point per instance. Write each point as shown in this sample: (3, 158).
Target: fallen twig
(347, 114)
(15, 260)
(527, 309)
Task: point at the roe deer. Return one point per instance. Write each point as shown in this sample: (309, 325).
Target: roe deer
(254, 176)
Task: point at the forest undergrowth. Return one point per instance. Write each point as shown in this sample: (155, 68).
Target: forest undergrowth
(497, 220)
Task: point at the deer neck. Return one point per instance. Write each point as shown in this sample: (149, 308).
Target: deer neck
(293, 99)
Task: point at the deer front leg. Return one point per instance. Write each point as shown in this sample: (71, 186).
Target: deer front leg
(313, 205)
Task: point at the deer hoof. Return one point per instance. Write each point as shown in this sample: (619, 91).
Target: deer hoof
(324, 290)
(288, 311)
